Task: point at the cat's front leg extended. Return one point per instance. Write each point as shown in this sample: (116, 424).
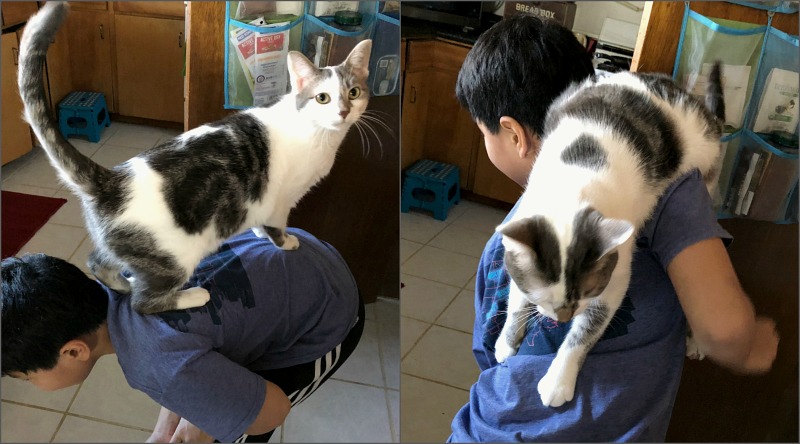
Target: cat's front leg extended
(514, 328)
(558, 384)
(276, 232)
(278, 236)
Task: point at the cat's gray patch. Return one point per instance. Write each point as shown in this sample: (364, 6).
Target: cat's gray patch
(230, 165)
(594, 319)
(585, 151)
(157, 273)
(650, 132)
(276, 235)
(536, 233)
(307, 93)
(587, 270)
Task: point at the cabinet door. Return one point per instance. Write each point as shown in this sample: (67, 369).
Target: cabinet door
(415, 117)
(16, 135)
(451, 136)
(150, 67)
(490, 182)
(16, 12)
(80, 57)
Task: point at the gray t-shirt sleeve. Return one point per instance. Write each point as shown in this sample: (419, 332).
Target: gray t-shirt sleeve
(209, 385)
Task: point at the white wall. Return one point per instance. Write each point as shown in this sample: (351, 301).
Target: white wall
(589, 15)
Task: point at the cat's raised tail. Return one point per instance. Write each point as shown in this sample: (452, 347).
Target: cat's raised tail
(714, 98)
(78, 171)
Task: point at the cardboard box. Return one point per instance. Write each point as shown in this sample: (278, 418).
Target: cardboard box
(562, 12)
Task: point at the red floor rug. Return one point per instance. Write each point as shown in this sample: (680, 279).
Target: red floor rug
(22, 216)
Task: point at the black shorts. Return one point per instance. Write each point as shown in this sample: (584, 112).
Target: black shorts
(300, 381)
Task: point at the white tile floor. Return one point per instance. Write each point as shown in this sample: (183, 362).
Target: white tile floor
(439, 260)
(360, 403)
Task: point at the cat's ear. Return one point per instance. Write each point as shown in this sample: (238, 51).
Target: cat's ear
(301, 70)
(612, 233)
(358, 60)
(525, 231)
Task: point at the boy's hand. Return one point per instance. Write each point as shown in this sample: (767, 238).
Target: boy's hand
(165, 426)
(188, 432)
(763, 348)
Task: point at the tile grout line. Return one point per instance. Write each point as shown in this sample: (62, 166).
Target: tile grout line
(383, 373)
(390, 416)
(64, 415)
(437, 382)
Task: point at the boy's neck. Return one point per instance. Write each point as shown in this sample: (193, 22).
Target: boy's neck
(103, 345)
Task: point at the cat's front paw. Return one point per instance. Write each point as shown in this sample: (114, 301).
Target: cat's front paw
(503, 351)
(290, 242)
(556, 389)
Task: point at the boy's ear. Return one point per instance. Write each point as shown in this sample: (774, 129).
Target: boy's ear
(522, 139)
(76, 349)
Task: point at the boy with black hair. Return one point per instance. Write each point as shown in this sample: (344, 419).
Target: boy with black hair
(681, 273)
(278, 325)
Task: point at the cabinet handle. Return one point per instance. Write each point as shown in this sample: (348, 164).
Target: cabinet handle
(15, 51)
(180, 40)
(102, 34)
(413, 95)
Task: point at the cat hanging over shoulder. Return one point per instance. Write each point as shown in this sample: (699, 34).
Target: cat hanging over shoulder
(611, 147)
(158, 214)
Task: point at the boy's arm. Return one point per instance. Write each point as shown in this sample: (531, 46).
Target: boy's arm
(173, 428)
(720, 314)
(273, 412)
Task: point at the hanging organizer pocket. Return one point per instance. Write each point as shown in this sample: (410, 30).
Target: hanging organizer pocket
(328, 38)
(258, 37)
(775, 107)
(782, 6)
(384, 62)
(736, 44)
(762, 182)
(730, 153)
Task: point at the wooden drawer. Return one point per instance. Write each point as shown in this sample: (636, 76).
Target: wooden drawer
(16, 12)
(420, 55)
(163, 9)
(95, 6)
(449, 56)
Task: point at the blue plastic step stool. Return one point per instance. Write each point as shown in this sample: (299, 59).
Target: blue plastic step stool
(431, 186)
(83, 113)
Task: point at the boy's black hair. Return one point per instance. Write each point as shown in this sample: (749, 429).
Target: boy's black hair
(47, 302)
(517, 68)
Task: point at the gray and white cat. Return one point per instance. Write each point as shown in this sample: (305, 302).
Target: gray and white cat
(158, 214)
(611, 147)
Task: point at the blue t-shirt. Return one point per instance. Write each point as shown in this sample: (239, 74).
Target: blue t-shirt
(627, 386)
(269, 309)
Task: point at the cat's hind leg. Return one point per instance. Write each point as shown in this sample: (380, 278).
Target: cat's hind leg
(278, 236)
(156, 291)
(108, 271)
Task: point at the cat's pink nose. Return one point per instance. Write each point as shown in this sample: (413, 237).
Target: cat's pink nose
(344, 113)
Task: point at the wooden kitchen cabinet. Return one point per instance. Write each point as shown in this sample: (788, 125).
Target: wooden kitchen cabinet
(491, 182)
(14, 13)
(80, 57)
(149, 54)
(415, 117)
(436, 127)
(16, 135)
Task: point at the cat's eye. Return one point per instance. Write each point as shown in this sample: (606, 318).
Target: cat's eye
(354, 93)
(323, 98)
